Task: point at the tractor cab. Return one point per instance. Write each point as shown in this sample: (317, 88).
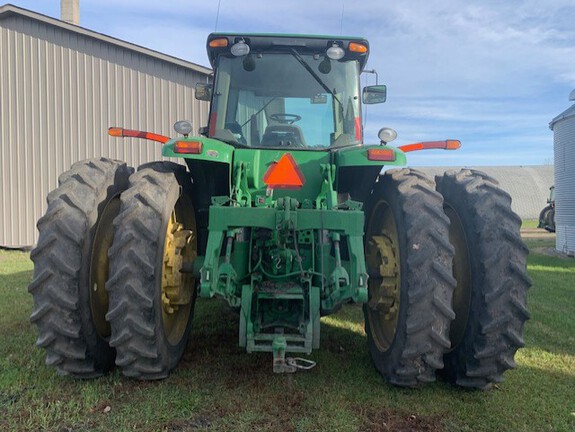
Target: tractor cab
(286, 92)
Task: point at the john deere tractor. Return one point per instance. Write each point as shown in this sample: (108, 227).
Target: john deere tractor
(280, 209)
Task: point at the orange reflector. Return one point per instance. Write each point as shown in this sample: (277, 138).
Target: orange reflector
(445, 145)
(284, 174)
(218, 43)
(357, 47)
(188, 147)
(381, 154)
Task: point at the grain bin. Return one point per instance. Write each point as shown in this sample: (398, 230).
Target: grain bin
(563, 127)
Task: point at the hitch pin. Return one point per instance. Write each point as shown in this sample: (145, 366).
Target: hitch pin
(289, 365)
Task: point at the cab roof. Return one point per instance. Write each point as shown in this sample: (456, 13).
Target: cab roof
(304, 44)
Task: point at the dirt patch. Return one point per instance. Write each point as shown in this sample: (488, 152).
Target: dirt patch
(537, 233)
(398, 421)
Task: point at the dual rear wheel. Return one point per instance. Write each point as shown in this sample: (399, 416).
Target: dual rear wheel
(107, 284)
(448, 278)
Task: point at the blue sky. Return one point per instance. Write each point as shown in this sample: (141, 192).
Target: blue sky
(490, 73)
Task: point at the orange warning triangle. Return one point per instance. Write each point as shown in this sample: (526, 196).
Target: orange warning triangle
(284, 174)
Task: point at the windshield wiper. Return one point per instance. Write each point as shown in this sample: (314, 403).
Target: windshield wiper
(315, 76)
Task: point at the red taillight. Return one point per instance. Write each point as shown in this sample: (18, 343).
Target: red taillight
(284, 174)
(381, 154)
(188, 147)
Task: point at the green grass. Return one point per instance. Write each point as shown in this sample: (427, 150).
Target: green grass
(218, 387)
(530, 223)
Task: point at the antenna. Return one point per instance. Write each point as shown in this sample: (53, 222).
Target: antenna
(217, 15)
(341, 19)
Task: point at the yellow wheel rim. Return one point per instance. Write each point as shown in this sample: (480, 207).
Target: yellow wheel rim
(177, 290)
(383, 262)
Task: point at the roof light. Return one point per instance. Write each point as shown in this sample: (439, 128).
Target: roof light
(335, 52)
(218, 43)
(188, 147)
(357, 47)
(381, 154)
(284, 174)
(446, 145)
(240, 49)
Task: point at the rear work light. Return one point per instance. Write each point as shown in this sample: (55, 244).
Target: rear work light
(446, 145)
(381, 154)
(188, 147)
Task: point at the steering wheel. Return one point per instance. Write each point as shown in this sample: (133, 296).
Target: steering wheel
(285, 118)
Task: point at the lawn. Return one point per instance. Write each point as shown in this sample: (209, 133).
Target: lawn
(218, 387)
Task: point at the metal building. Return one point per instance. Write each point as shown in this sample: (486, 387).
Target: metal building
(527, 185)
(61, 87)
(563, 127)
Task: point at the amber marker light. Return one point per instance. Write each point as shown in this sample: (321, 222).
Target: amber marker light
(218, 43)
(357, 47)
(188, 147)
(115, 131)
(381, 154)
(453, 144)
(445, 145)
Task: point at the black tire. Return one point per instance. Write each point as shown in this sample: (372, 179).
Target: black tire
(409, 349)
(492, 281)
(147, 347)
(550, 226)
(70, 318)
(544, 217)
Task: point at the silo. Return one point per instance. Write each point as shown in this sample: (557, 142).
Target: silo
(563, 127)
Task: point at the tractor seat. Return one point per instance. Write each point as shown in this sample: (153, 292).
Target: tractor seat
(283, 136)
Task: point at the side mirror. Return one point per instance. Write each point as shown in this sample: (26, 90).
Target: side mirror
(203, 91)
(374, 94)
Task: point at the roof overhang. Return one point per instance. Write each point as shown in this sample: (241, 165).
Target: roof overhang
(9, 9)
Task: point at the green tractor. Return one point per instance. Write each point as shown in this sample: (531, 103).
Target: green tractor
(282, 211)
(547, 215)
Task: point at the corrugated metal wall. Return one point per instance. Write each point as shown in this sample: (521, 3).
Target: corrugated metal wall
(59, 93)
(564, 147)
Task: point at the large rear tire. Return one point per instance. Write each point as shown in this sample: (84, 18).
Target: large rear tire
(492, 281)
(71, 267)
(409, 260)
(151, 301)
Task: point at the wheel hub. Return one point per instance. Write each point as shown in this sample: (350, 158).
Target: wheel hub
(175, 292)
(385, 297)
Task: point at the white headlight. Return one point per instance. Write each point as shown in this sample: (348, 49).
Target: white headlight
(183, 127)
(387, 135)
(335, 52)
(240, 49)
